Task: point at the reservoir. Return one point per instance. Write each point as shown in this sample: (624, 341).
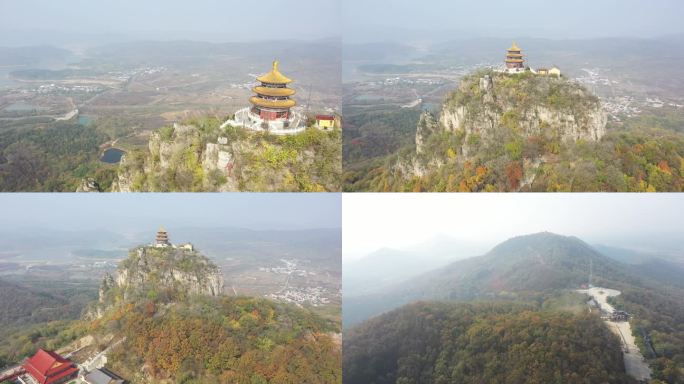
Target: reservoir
(112, 155)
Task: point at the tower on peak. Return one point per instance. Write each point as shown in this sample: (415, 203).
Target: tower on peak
(162, 239)
(272, 106)
(514, 59)
(272, 100)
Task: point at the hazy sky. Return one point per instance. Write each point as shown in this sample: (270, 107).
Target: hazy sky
(519, 18)
(373, 221)
(211, 20)
(135, 211)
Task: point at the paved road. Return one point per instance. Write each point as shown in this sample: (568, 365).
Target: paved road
(635, 364)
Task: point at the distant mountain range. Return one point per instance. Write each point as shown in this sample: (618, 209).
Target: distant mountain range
(388, 266)
(532, 263)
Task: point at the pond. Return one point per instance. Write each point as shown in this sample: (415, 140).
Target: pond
(84, 120)
(112, 155)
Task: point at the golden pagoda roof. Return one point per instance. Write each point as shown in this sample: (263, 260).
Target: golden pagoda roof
(274, 77)
(272, 103)
(161, 229)
(514, 60)
(514, 47)
(268, 91)
(514, 54)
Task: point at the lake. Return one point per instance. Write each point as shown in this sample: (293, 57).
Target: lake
(112, 155)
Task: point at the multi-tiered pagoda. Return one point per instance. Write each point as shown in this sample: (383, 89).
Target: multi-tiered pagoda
(271, 108)
(514, 59)
(162, 239)
(272, 100)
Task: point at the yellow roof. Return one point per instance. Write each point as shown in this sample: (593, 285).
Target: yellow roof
(274, 77)
(514, 60)
(514, 47)
(162, 229)
(272, 103)
(268, 91)
(514, 54)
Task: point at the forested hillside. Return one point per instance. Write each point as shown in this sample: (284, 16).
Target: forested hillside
(442, 343)
(236, 340)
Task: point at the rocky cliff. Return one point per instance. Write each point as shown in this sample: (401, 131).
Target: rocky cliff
(168, 273)
(201, 156)
(496, 132)
(527, 105)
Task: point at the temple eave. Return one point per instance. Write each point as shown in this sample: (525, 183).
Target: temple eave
(267, 91)
(272, 103)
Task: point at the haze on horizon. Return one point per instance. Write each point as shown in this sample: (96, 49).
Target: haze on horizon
(130, 213)
(649, 222)
(74, 22)
(444, 20)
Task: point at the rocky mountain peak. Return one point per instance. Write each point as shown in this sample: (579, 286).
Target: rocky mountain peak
(168, 273)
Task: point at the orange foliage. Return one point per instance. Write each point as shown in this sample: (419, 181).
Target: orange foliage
(514, 174)
(665, 167)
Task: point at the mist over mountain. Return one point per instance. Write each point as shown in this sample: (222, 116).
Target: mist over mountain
(388, 266)
(531, 263)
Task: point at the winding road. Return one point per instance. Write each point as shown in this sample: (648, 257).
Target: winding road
(635, 364)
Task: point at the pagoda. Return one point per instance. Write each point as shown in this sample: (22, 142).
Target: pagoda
(272, 100)
(272, 108)
(162, 239)
(514, 59)
(47, 367)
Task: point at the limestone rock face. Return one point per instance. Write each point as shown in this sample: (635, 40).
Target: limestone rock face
(490, 107)
(427, 125)
(89, 185)
(169, 268)
(174, 272)
(530, 105)
(193, 158)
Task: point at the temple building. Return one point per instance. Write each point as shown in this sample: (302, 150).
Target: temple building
(47, 367)
(514, 59)
(162, 239)
(272, 108)
(272, 100)
(325, 121)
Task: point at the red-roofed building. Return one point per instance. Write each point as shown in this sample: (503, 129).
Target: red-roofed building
(47, 367)
(325, 121)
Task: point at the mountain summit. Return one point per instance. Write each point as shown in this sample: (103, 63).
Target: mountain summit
(515, 268)
(167, 273)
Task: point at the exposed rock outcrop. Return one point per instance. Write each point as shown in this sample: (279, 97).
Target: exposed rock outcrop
(188, 157)
(89, 185)
(491, 110)
(528, 105)
(150, 272)
(427, 125)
